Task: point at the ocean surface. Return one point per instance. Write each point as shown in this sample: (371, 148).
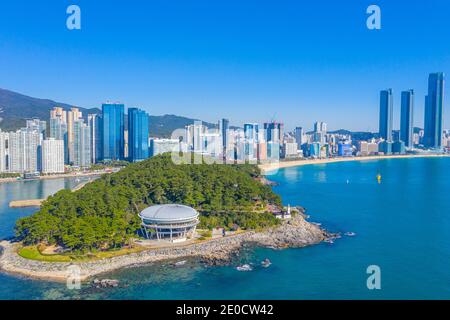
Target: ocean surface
(402, 225)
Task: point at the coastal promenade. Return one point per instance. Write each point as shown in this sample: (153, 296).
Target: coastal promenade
(265, 168)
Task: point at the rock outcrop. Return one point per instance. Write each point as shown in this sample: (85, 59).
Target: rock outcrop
(295, 232)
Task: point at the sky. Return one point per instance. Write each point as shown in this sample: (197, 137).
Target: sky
(247, 60)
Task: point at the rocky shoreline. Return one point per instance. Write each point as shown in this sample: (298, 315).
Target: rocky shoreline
(295, 232)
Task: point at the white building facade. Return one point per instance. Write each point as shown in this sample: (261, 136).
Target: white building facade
(52, 156)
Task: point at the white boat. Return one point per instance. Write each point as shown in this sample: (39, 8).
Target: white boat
(330, 241)
(244, 267)
(350, 234)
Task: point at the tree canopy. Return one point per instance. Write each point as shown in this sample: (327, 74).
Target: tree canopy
(104, 213)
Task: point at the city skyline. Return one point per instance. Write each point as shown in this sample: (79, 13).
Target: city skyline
(252, 65)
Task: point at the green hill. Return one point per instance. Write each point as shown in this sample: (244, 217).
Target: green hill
(15, 108)
(104, 213)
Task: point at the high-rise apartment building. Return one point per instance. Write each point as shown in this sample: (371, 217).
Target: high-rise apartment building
(4, 137)
(434, 102)
(113, 131)
(138, 128)
(52, 156)
(386, 114)
(81, 144)
(73, 115)
(299, 136)
(95, 125)
(407, 118)
(24, 148)
(58, 129)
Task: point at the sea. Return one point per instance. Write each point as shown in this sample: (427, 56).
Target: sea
(399, 246)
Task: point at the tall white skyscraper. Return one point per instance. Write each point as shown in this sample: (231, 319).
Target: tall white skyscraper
(81, 144)
(38, 125)
(72, 116)
(24, 150)
(320, 131)
(3, 142)
(58, 129)
(52, 156)
(94, 123)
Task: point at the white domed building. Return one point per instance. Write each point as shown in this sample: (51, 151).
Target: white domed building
(173, 222)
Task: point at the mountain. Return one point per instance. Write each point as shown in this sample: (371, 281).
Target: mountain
(163, 126)
(15, 108)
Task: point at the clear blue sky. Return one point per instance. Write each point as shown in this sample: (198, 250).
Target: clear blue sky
(248, 60)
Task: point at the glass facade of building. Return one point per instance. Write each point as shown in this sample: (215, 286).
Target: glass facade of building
(138, 148)
(433, 111)
(113, 131)
(406, 118)
(386, 114)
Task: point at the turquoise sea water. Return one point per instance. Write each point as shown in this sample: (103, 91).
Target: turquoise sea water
(402, 225)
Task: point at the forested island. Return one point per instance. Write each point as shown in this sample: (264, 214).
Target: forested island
(104, 214)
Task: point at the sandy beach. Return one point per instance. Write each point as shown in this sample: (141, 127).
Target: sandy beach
(265, 168)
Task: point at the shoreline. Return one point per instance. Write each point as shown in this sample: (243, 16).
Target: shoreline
(266, 168)
(38, 202)
(294, 233)
(57, 176)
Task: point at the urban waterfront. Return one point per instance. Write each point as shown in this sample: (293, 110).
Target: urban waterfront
(400, 225)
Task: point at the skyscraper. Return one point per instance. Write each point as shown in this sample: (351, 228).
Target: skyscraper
(81, 144)
(386, 114)
(24, 150)
(224, 130)
(274, 132)
(407, 118)
(434, 102)
(58, 129)
(73, 115)
(53, 156)
(138, 148)
(38, 125)
(4, 136)
(95, 124)
(113, 131)
(251, 131)
(58, 112)
(299, 136)
(320, 131)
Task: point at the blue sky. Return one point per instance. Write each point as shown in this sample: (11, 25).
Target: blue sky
(247, 60)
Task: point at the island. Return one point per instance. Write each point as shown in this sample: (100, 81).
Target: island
(98, 227)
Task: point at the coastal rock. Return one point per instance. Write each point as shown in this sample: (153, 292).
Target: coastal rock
(297, 233)
(105, 283)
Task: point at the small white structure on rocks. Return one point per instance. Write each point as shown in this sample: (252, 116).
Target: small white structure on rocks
(174, 222)
(284, 214)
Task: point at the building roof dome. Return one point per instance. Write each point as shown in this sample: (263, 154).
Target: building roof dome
(169, 213)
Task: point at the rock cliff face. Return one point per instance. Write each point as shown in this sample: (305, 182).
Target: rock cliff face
(296, 232)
